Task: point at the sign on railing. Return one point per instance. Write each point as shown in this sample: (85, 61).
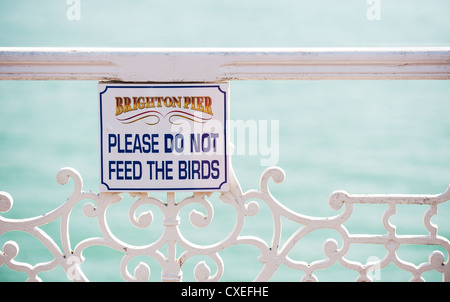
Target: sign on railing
(166, 137)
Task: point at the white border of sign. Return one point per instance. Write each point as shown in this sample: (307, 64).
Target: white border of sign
(222, 183)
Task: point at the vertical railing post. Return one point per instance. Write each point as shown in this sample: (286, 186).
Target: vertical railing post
(171, 272)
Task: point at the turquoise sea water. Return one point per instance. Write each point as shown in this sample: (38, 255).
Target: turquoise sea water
(358, 136)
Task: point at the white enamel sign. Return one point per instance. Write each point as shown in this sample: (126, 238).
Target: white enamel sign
(168, 137)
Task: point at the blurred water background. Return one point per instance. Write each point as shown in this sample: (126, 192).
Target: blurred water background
(358, 136)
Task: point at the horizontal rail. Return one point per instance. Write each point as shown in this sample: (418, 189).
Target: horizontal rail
(211, 65)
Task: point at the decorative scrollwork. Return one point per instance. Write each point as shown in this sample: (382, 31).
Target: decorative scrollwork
(245, 204)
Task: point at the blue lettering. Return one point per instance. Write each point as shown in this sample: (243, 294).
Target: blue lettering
(182, 170)
(203, 143)
(215, 169)
(133, 143)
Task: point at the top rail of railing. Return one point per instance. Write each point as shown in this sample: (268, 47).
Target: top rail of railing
(224, 64)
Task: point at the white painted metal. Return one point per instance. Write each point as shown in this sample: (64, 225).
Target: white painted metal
(211, 65)
(245, 204)
(200, 65)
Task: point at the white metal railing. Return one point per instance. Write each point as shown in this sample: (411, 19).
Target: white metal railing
(168, 65)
